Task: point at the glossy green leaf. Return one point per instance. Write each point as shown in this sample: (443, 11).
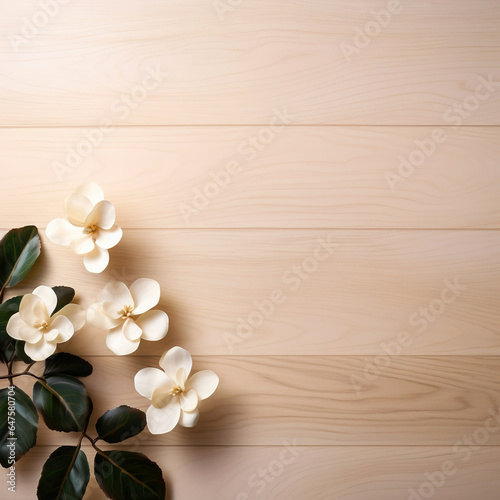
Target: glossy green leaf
(65, 475)
(124, 475)
(8, 309)
(19, 249)
(63, 403)
(64, 363)
(18, 427)
(7, 343)
(65, 295)
(119, 424)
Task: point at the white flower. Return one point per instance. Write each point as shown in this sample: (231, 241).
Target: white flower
(89, 228)
(126, 313)
(174, 395)
(40, 330)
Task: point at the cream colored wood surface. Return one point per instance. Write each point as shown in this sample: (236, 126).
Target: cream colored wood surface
(336, 178)
(320, 473)
(375, 285)
(319, 400)
(236, 71)
(368, 426)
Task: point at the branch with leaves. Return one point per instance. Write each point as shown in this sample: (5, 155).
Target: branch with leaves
(32, 326)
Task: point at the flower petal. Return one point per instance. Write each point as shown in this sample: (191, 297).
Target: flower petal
(83, 244)
(115, 296)
(102, 215)
(119, 344)
(189, 419)
(40, 350)
(131, 330)
(204, 383)
(189, 400)
(97, 260)
(148, 379)
(61, 330)
(48, 297)
(97, 318)
(61, 232)
(19, 330)
(154, 325)
(162, 396)
(92, 191)
(32, 310)
(14, 326)
(163, 420)
(76, 315)
(175, 359)
(146, 294)
(108, 238)
(181, 377)
(77, 207)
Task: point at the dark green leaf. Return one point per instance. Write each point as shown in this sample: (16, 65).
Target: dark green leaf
(121, 423)
(8, 309)
(19, 249)
(65, 295)
(63, 403)
(7, 347)
(7, 343)
(124, 475)
(65, 475)
(21, 424)
(67, 364)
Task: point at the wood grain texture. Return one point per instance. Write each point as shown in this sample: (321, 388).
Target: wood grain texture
(319, 473)
(313, 177)
(313, 399)
(236, 71)
(375, 285)
(368, 425)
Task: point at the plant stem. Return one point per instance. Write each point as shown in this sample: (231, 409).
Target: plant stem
(92, 441)
(11, 375)
(9, 369)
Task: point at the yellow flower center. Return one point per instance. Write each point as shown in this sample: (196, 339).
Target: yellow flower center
(126, 312)
(90, 229)
(42, 326)
(175, 391)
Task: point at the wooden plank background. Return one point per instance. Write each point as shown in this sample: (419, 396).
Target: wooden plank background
(391, 158)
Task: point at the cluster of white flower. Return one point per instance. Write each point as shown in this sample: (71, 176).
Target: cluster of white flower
(127, 315)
